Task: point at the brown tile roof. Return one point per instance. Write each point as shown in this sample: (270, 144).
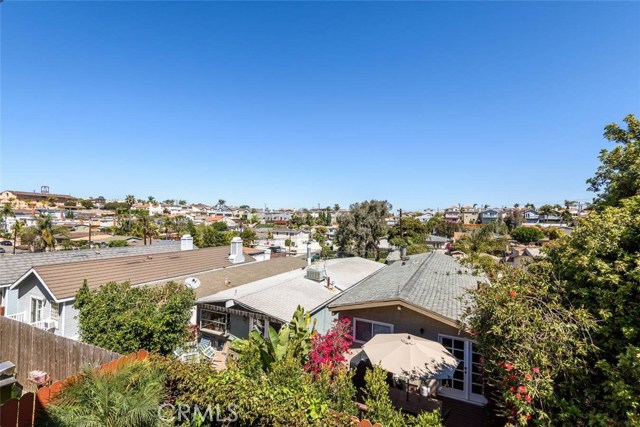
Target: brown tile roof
(214, 281)
(64, 280)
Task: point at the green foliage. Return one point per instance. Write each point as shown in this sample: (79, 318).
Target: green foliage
(125, 319)
(599, 267)
(438, 226)
(381, 409)
(41, 235)
(114, 206)
(86, 203)
(484, 240)
(293, 340)
(118, 243)
(535, 345)
(527, 234)
(417, 249)
(216, 234)
(359, 231)
(128, 397)
(410, 230)
(247, 235)
(618, 177)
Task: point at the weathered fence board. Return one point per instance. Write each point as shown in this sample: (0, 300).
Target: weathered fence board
(32, 349)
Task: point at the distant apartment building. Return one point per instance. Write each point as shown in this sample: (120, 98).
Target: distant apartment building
(31, 199)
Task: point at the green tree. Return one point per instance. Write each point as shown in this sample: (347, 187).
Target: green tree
(41, 236)
(17, 227)
(125, 319)
(71, 203)
(7, 212)
(535, 346)
(151, 200)
(527, 234)
(409, 231)
(182, 202)
(221, 202)
(618, 176)
(144, 226)
(127, 397)
(360, 231)
(86, 203)
(130, 200)
(598, 264)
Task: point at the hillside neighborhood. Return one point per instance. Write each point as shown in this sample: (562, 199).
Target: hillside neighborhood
(319, 214)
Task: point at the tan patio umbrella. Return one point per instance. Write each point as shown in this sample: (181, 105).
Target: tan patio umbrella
(410, 356)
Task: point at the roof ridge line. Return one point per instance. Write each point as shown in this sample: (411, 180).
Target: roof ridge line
(401, 291)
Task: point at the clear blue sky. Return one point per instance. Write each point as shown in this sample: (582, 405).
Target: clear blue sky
(295, 104)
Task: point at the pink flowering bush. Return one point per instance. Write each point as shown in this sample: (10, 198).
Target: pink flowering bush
(327, 350)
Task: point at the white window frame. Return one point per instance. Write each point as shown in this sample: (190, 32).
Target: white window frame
(373, 322)
(41, 300)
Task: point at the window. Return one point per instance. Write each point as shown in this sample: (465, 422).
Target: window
(364, 330)
(55, 310)
(37, 306)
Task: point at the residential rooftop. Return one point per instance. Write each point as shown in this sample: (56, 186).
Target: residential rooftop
(280, 295)
(433, 281)
(14, 266)
(64, 280)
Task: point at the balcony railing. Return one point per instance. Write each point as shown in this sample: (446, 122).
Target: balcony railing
(46, 324)
(20, 317)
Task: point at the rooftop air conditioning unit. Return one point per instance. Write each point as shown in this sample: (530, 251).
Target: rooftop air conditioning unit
(316, 275)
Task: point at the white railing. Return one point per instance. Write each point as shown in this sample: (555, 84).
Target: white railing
(18, 316)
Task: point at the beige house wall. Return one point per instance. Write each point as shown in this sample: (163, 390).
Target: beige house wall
(405, 320)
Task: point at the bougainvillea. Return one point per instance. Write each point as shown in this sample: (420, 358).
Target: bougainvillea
(328, 350)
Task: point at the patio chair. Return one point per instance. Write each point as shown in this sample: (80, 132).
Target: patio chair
(178, 352)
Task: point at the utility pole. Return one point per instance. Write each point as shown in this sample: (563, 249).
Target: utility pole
(90, 221)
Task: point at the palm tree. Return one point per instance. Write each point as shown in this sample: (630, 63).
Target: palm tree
(145, 226)
(130, 200)
(182, 202)
(42, 234)
(129, 397)
(7, 211)
(17, 229)
(152, 200)
(221, 202)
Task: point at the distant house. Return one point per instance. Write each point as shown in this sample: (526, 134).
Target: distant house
(436, 242)
(531, 216)
(234, 313)
(29, 199)
(470, 216)
(422, 296)
(425, 217)
(520, 254)
(452, 214)
(489, 215)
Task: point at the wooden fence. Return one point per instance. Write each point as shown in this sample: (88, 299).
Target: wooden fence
(30, 349)
(28, 411)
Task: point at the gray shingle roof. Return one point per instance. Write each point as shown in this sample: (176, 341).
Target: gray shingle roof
(432, 281)
(14, 266)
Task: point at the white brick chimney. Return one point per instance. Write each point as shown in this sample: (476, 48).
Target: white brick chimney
(236, 256)
(186, 243)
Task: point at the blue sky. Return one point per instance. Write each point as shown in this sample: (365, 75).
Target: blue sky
(295, 104)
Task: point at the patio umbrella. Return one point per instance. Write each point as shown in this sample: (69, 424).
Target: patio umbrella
(410, 356)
